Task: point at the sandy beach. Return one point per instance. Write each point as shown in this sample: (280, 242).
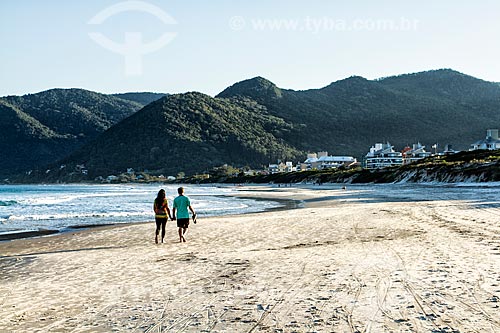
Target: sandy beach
(342, 262)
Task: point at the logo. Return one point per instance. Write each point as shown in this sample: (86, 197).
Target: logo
(134, 48)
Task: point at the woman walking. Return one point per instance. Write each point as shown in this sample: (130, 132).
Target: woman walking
(162, 213)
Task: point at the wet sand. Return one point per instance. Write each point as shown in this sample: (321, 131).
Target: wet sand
(342, 263)
(26, 234)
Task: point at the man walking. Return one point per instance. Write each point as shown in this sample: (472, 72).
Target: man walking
(180, 206)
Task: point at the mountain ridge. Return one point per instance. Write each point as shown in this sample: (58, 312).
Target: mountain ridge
(142, 97)
(54, 123)
(174, 129)
(262, 122)
(254, 87)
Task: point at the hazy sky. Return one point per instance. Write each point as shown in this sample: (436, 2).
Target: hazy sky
(209, 45)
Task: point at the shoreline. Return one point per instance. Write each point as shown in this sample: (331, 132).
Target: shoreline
(26, 234)
(243, 192)
(285, 204)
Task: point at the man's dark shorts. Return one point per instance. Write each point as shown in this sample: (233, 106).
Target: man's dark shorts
(182, 223)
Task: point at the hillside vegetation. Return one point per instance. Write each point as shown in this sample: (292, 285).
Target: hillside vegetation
(474, 166)
(254, 122)
(42, 128)
(186, 132)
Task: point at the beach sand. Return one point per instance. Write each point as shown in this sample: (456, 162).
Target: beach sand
(342, 263)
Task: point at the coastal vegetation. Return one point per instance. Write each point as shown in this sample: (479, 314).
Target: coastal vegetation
(473, 166)
(470, 166)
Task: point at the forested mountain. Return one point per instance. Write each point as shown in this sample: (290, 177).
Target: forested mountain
(254, 122)
(41, 128)
(445, 84)
(143, 98)
(188, 132)
(348, 116)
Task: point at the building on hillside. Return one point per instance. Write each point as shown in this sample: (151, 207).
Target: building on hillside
(274, 168)
(289, 167)
(311, 160)
(322, 160)
(281, 167)
(383, 155)
(491, 142)
(333, 162)
(415, 153)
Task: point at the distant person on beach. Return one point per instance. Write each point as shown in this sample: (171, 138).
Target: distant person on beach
(162, 213)
(181, 206)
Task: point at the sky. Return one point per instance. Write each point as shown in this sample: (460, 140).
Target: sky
(175, 46)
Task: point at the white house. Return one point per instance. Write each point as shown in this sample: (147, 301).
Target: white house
(383, 155)
(282, 167)
(289, 167)
(311, 159)
(417, 152)
(273, 168)
(331, 162)
(491, 142)
(322, 160)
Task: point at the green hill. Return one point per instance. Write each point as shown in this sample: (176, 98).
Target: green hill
(17, 126)
(254, 122)
(74, 112)
(350, 115)
(187, 132)
(41, 128)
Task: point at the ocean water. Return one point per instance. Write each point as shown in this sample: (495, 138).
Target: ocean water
(56, 207)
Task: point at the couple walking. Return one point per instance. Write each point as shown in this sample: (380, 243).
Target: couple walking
(179, 212)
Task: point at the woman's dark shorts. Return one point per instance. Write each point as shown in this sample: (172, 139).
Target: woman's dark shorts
(182, 223)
